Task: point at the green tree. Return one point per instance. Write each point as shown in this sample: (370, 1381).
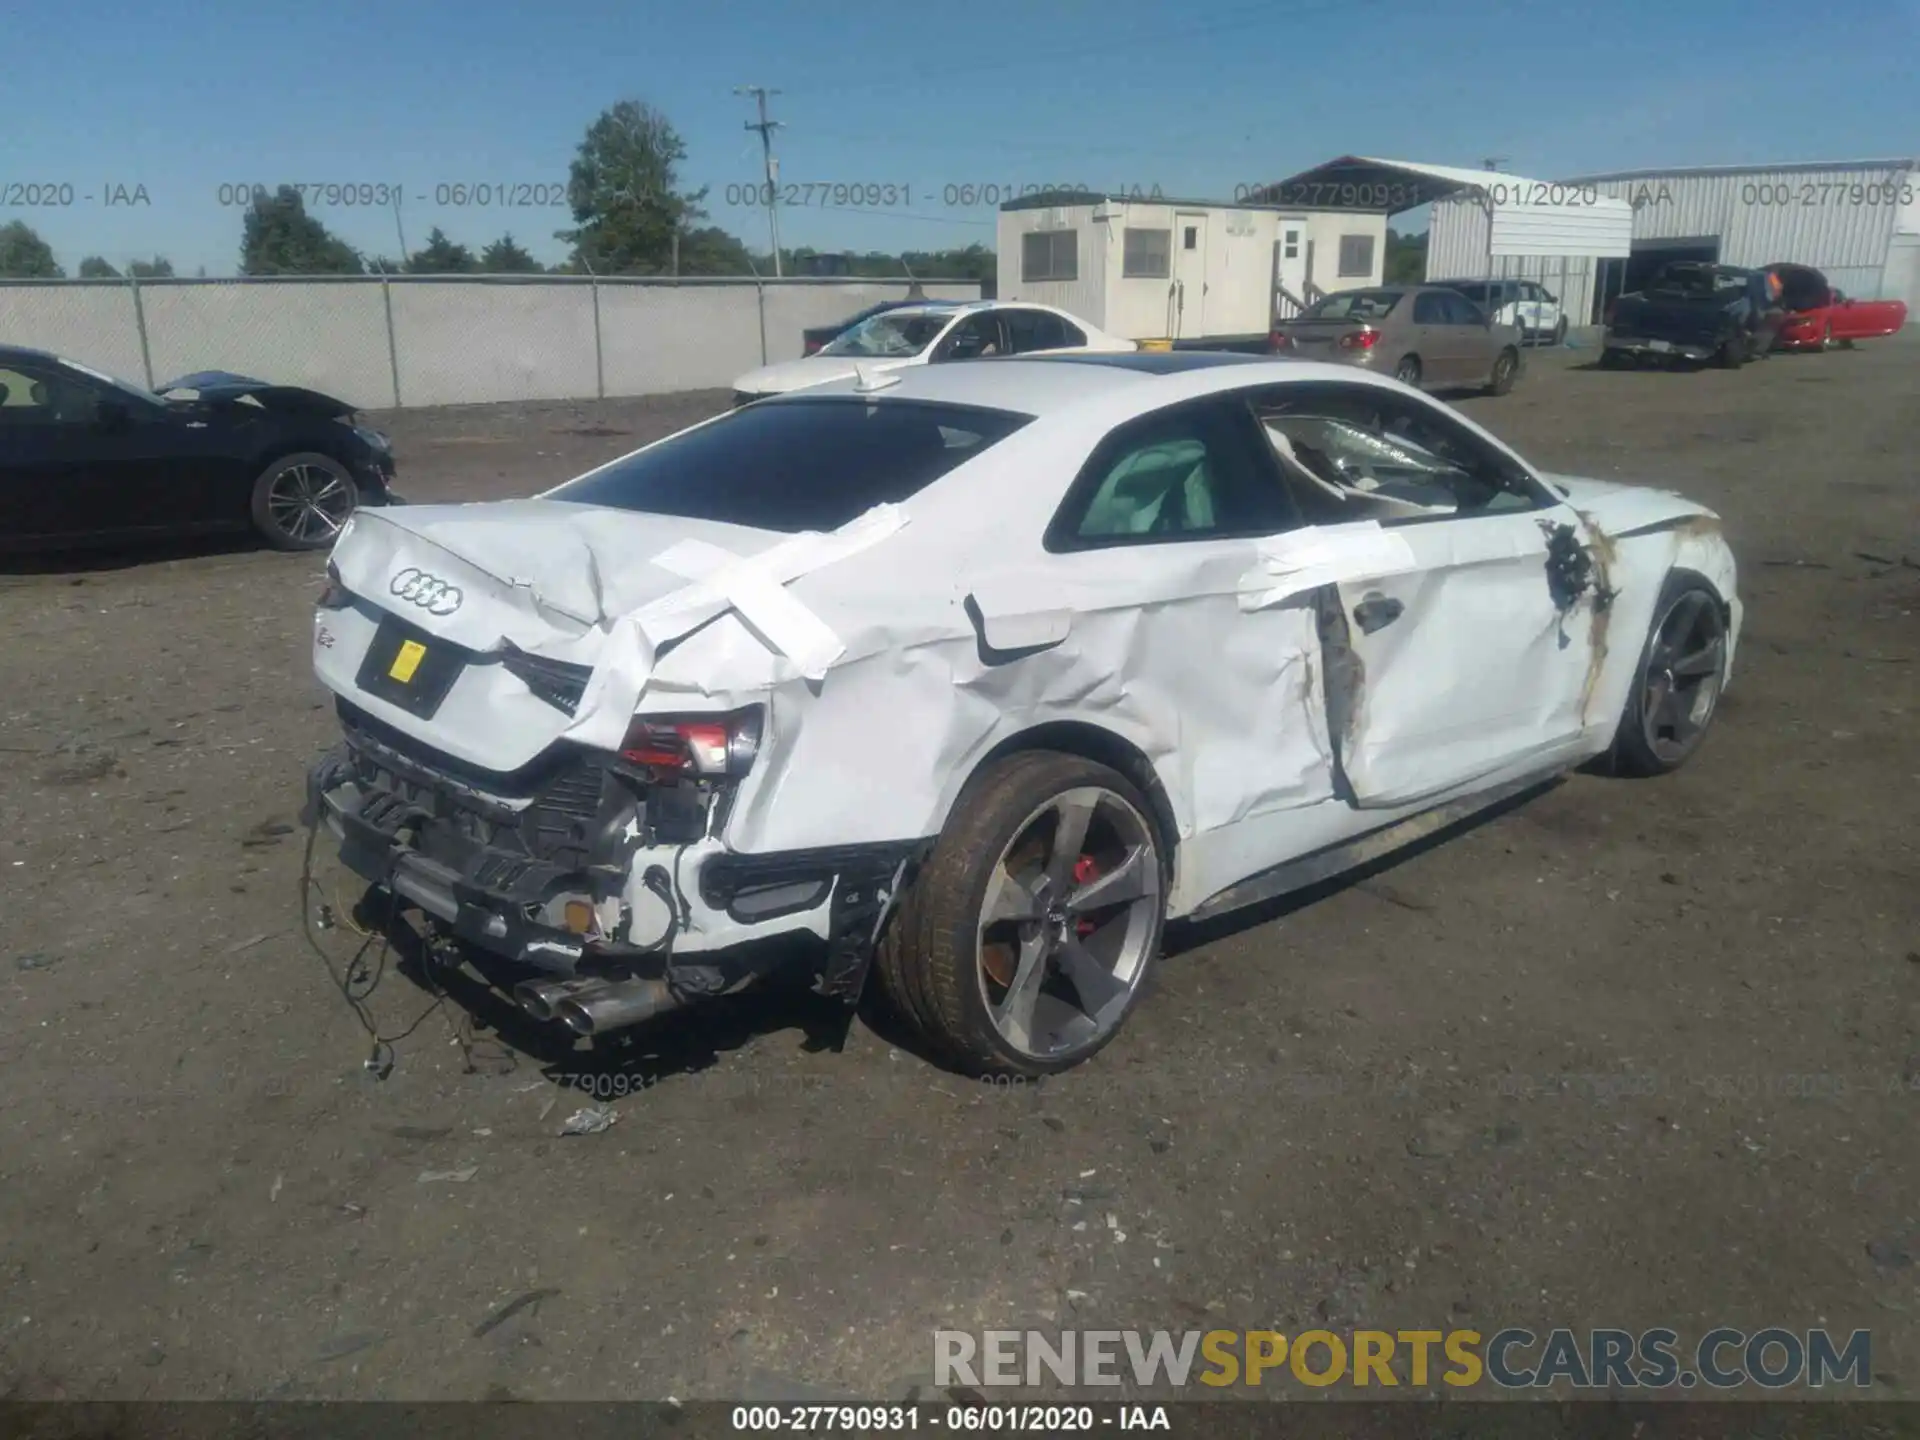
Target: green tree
(280, 238)
(380, 265)
(1405, 261)
(158, 268)
(712, 251)
(622, 186)
(505, 257)
(25, 256)
(95, 267)
(440, 256)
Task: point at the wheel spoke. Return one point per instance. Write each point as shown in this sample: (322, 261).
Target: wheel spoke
(1704, 661)
(1014, 1014)
(1675, 712)
(1101, 993)
(1074, 812)
(1131, 879)
(1007, 898)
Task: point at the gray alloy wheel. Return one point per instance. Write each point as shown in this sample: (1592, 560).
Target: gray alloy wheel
(1070, 919)
(301, 501)
(1678, 687)
(1407, 372)
(1025, 937)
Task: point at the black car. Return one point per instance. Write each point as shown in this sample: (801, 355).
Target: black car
(85, 457)
(811, 341)
(1696, 310)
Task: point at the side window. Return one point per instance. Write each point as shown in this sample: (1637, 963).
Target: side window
(1194, 472)
(1462, 311)
(1389, 457)
(1429, 309)
(1029, 330)
(28, 398)
(973, 337)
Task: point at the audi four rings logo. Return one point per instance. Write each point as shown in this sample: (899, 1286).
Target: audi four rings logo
(429, 592)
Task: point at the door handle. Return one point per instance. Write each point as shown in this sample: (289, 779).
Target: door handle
(1376, 612)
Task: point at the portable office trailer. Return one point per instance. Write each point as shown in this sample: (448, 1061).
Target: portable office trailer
(1197, 273)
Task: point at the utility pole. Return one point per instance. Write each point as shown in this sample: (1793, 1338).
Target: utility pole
(766, 128)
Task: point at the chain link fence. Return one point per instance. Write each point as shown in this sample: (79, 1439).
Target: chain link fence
(402, 341)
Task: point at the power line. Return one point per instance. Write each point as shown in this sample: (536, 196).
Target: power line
(766, 127)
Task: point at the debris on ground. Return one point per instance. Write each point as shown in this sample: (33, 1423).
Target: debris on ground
(590, 1120)
(530, 1300)
(458, 1177)
(35, 960)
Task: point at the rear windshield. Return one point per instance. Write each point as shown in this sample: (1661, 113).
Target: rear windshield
(1356, 305)
(803, 464)
(1692, 278)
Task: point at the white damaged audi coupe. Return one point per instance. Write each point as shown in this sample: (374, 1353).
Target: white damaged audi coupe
(975, 676)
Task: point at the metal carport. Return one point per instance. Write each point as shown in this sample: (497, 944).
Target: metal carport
(1486, 224)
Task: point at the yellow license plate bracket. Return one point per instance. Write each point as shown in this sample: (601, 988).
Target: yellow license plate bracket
(412, 652)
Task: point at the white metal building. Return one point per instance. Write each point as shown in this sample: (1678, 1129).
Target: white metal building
(1856, 220)
(1486, 223)
(1192, 271)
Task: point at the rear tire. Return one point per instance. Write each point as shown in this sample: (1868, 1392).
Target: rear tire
(1676, 689)
(1733, 354)
(301, 501)
(1407, 372)
(1506, 369)
(985, 953)
(1612, 359)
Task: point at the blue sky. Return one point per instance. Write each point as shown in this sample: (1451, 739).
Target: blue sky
(1192, 98)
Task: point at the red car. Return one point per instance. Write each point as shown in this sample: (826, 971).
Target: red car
(1819, 317)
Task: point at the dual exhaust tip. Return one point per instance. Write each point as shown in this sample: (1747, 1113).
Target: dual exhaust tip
(590, 1006)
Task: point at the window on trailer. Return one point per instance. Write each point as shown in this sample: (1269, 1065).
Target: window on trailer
(1149, 255)
(1050, 255)
(1356, 255)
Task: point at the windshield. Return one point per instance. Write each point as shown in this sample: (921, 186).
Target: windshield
(1355, 305)
(891, 334)
(812, 463)
(132, 391)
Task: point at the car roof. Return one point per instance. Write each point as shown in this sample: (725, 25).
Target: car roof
(22, 352)
(1042, 385)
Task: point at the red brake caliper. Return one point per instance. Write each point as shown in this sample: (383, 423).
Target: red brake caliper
(1085, 872)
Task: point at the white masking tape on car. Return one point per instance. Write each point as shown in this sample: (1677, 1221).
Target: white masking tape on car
(719, 581)
(1304, 560)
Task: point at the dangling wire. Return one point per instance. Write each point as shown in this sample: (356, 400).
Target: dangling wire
(359, 982)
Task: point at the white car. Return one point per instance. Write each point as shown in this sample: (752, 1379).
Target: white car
(930, 333)
(985, 672)
(1526, 303)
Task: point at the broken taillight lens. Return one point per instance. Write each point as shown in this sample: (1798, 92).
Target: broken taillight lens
(334, 595)
(709, 746)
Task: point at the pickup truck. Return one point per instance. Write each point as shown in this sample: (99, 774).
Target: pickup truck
(1696, 311)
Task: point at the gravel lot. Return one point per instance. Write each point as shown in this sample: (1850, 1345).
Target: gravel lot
(1630, 1054)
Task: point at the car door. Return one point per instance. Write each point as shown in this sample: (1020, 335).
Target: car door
(1150, 551)
(1431, 338)
(90, 459)
(1475, 339)
(1467, 660)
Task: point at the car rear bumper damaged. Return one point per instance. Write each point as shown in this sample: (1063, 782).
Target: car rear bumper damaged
(610, 899)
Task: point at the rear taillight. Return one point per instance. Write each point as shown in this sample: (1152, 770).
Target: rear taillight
(810, 347)
(1278, 342)
(1365, 340)
(334, 595)
(1611, 306)
(708, 746)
